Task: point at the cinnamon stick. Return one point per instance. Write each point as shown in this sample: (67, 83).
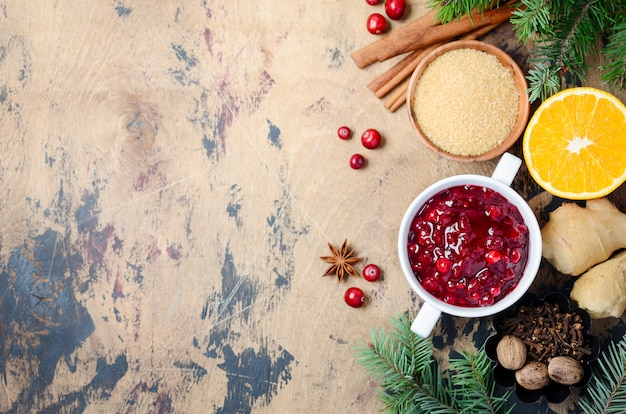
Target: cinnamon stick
(398, 97)
(388, 75)
(405, 72)
(369, 54)
(415, 36)
(476, 34)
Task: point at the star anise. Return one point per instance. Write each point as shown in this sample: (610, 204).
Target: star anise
(341, 262)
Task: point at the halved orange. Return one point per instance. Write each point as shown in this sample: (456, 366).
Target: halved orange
(575, 144)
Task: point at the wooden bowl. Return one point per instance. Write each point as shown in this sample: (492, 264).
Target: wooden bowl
(520, 83)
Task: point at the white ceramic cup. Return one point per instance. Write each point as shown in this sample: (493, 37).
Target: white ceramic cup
(500, 181)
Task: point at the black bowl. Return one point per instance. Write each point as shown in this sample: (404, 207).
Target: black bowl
(553, 393)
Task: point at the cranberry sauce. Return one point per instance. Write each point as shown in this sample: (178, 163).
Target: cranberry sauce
(468, 246)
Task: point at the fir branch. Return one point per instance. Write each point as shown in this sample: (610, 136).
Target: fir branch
(570, 41)
(565, 35)
(472, 376)
(607, 389)
(449, 10)
(564, 44)
(436, 397)
(543, 81)
(406, 369)
(529, 18)
(412, 381)
(615, 53)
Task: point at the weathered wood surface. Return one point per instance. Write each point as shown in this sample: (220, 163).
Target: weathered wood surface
(170, 176)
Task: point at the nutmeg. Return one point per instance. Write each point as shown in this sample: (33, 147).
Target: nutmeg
(533, 376)
(565, 370)
(511, 352)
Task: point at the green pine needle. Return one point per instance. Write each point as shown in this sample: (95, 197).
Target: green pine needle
(412, 381)
(543, 81)
(403, 364)
(530, 17)
(472, 377)
(565, 34)
(606, 393)
(449, 10)
(615, 53)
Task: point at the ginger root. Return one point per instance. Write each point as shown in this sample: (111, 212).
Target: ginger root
(601, 291)
(576, 238)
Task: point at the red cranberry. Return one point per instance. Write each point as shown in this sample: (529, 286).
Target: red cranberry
(354, 297)
(493, 212)
(494, 242)
(433, 216)
(395, 9)
(430, 285)
(473, 285)
(515, 256)
(483, 277)
(371, 138)
(443, 265)
(357, 161)
(371, 272)
(372, 2)
(344, 132)
(493, 256)
(495, 290)
(376, 23)
(486, 300)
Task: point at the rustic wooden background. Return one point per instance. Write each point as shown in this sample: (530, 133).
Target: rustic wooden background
(170, 176)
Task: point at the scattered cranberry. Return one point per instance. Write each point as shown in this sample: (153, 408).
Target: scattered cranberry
(354, 297)
(395, 9)
(344, 132)
(357, 161)
(371, 138)
(372, 2)
(376, 23)
(371, 272)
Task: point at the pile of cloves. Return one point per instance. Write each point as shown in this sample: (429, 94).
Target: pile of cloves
(548, 332)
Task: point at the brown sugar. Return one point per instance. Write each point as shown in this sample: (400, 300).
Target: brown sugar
(466, 102)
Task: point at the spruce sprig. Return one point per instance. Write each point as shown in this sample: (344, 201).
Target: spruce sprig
(449, 10)
(563, 46)
(606, 393)
(529, 17)
(565, 35)
(472, 380)
(615, 52)
(543, 80)
(412, 381)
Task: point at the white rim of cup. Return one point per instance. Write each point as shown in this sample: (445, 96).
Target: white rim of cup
(534, 249)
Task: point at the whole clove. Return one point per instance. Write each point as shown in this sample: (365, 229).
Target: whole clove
(548, 332)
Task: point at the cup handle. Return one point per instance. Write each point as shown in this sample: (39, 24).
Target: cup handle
(425, 320)
(506, 169)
